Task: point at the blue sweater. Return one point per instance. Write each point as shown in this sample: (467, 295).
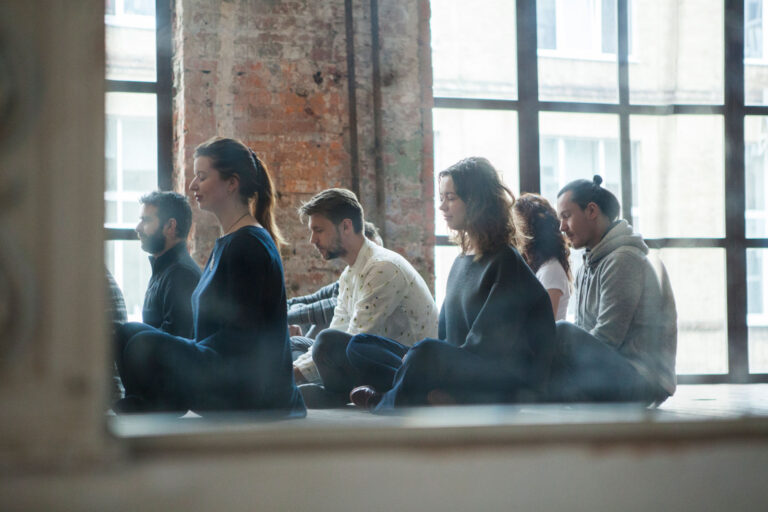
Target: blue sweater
(239, 312)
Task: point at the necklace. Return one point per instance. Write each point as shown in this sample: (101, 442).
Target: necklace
(210, 266)
(235, 223)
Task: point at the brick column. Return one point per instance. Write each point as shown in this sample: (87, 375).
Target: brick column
(274, 74)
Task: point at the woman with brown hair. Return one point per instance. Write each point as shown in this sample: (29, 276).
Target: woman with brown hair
(496, 327)
(240, 356)
(544, 248)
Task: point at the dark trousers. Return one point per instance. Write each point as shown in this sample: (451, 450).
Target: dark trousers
(329, 353)
(467, 378)
(589, 370)
(345, 361)
(376, 359)
(169, 373)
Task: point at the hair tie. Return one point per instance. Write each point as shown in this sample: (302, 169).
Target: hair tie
(260, 172)
(597, 180)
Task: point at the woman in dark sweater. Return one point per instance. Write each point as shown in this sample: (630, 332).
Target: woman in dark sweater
(496, 328)
(240, 356)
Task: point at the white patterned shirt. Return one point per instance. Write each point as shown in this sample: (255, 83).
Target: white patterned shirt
(381, 294)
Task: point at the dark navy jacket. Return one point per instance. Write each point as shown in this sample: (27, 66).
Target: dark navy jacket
(168, 301)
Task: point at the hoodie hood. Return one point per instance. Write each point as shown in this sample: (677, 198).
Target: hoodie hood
(620, 234)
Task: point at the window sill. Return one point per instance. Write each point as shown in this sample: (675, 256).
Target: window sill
(431, 428)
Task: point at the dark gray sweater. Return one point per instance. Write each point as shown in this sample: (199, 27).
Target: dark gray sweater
(496, 308)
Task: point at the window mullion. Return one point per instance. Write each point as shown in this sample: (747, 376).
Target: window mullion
(625, 153)
(163, 44)
(528, 97)
(735, 194)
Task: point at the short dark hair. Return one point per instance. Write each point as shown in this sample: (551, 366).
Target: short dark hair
(584, 192)
(336, 204)
(171, 205)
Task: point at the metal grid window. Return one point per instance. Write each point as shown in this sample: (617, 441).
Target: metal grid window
(683, 147)
(138, 132)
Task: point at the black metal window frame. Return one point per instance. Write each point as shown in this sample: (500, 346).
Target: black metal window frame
(161, 88)
(733, 110)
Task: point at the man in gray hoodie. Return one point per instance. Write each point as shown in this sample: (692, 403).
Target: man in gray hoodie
(623, 345)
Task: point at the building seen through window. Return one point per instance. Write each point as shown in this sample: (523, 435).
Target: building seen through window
(131, 138)
(675, 166)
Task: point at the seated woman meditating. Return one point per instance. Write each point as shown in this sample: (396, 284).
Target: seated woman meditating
(240, 357)
(544, 248)
(496, 327)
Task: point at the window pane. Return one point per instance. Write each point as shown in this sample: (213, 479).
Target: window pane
(131, 154)
(444, 256)
(576, 146)
(678, 162)
(757, 309)
(577, 50)
(755, 56)
(677, 55)
(698, 281)
(756, 189)
(130, 39)
(474, 49)
(463, 133)
(130, 267)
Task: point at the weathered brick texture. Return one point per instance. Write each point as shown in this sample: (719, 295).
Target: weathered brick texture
(274, 74)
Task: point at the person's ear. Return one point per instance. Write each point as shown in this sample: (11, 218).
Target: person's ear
(347, 226)
(233, 183)
(169, 230)
(592, 211)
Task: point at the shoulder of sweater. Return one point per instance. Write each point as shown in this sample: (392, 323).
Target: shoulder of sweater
(625, 256)
(183, 270)
(246, 238)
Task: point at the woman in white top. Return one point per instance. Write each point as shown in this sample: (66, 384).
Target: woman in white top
(544, 248)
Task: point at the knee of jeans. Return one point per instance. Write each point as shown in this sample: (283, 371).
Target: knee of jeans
(357, 341)
(562, 327)
(326, 343)
(139, 350)
(425, 350)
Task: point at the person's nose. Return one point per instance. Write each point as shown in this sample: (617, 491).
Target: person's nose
(563, 226)
(443, 207)
(193, 184)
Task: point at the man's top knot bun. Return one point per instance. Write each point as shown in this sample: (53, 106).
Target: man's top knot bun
(597, 180)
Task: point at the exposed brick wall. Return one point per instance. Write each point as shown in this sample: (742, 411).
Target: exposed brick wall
(274, 74)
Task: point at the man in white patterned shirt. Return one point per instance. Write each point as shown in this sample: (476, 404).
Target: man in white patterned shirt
(379, 293)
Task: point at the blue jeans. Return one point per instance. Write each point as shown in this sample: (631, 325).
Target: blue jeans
(376, 359)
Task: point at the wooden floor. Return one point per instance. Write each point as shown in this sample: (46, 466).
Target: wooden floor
(719, 400)
(691, 404)
(700, 401)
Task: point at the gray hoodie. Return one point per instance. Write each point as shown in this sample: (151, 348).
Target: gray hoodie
(625, 300)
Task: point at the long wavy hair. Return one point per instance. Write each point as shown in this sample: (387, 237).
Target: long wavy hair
(538, 236)
(231, 157)
(488, 224)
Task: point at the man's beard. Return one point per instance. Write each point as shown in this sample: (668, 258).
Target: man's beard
(336, 250)
(154, 243)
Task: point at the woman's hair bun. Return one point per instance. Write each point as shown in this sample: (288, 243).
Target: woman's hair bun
(597, 179)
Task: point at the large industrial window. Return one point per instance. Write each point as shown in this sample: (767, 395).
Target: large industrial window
(138, 132)
(667, 100)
